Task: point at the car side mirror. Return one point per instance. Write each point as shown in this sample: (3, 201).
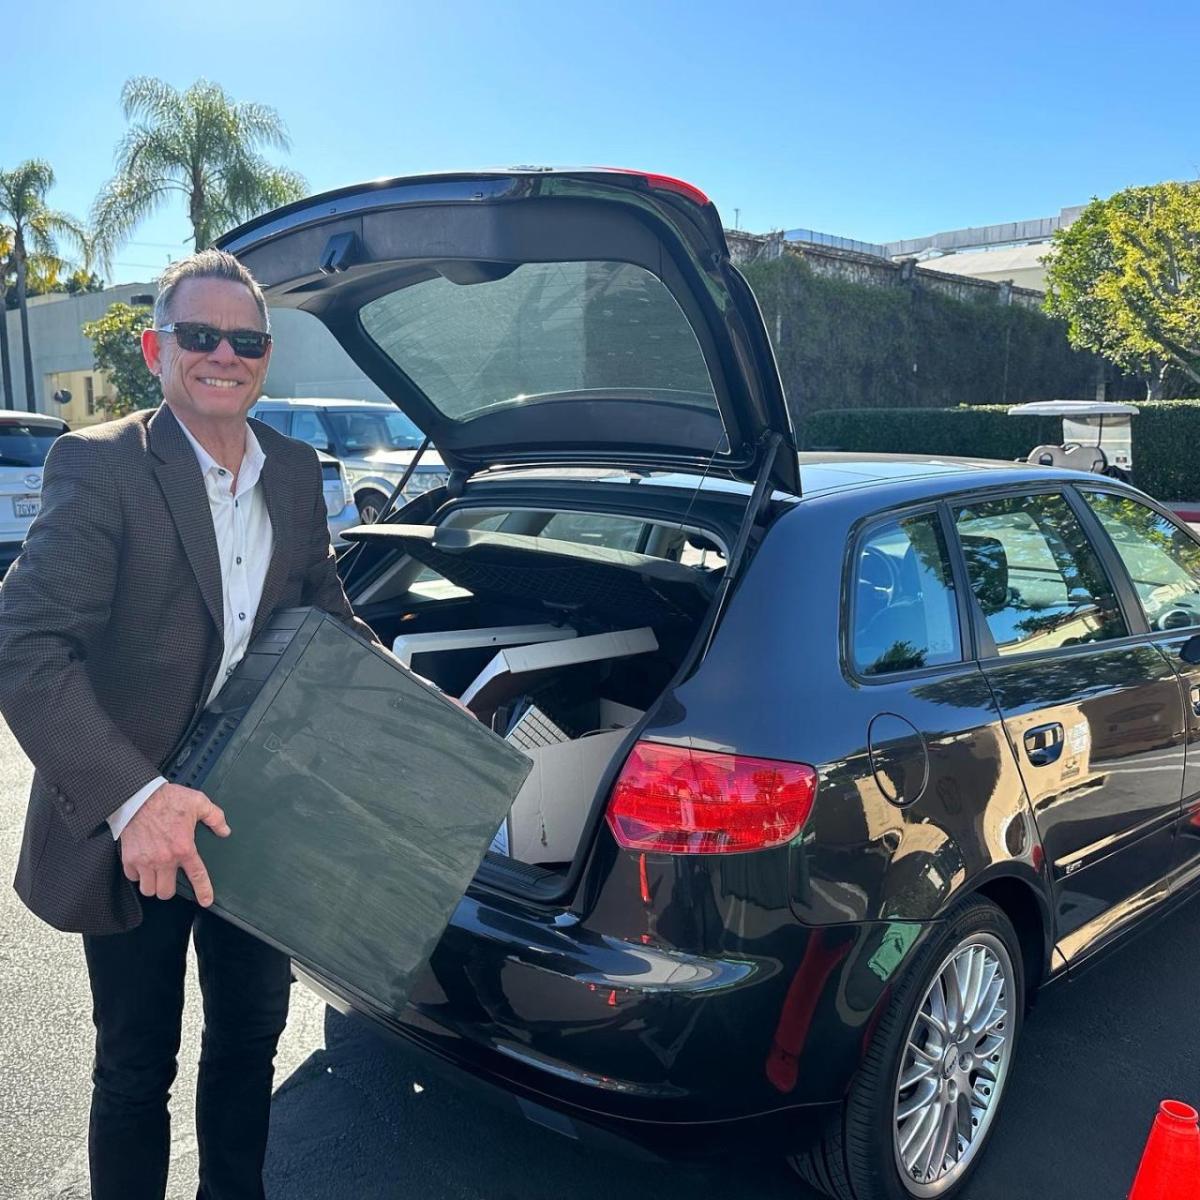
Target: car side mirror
(1190, 650)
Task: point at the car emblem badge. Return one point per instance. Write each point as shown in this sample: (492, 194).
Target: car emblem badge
(33, 481)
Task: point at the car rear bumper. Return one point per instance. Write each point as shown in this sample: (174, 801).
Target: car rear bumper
(644, 1040)
(785, 1130)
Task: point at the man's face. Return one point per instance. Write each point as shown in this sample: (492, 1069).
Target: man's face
(220, 385)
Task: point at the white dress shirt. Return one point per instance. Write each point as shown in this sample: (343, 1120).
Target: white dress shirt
(244, 543)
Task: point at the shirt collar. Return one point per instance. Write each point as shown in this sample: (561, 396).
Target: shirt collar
(252, 460)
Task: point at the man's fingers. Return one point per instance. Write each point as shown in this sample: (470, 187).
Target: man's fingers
(131, 872)
(197, 875)
(214, 818)
(165, 886)
(147, 881)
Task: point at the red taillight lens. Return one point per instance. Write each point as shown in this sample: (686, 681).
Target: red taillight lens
(665, 183)
(673, 800)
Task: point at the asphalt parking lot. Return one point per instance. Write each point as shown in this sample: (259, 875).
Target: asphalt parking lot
(359, 1118)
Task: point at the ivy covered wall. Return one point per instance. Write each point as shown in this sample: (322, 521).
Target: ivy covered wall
(854, 345)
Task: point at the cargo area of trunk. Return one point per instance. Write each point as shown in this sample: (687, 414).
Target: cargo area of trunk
(561, 648)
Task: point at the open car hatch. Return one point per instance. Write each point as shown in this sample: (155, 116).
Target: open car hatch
(530, 316)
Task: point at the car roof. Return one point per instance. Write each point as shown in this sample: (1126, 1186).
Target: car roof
(12, 417)
(825, 473)
(320, 402)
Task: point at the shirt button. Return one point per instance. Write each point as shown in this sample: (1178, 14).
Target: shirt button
(228, 670)
(222, 471)
(239, 559)
(241, 616)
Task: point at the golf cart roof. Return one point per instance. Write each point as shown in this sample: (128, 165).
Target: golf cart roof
(1073, 408)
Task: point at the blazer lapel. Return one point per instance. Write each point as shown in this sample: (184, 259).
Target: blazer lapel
(280, 509)
(182, 484)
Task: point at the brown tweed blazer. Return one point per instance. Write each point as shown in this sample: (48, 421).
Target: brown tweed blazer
(111, 635)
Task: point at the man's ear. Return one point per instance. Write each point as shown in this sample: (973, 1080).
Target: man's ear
(152, 351)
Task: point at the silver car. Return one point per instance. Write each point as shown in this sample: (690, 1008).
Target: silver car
(373, 439)
(25, 439)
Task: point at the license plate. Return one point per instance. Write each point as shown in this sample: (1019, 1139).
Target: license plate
(26, 506)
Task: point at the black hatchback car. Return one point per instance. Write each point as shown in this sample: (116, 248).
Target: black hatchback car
(838, 758)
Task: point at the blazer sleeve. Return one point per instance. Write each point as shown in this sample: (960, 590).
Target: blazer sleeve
(322, 586)
(55, 604)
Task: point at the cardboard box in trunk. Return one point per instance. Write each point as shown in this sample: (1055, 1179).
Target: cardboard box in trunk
(548, 815)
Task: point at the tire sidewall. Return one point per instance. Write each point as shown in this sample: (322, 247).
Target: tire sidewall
(872, 1097)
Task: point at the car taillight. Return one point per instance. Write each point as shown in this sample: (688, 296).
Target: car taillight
(665, 183)
(674, 800)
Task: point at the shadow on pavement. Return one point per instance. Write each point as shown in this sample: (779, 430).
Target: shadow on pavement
(1096, 1057)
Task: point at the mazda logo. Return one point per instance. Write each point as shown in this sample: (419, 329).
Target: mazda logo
(33, 480)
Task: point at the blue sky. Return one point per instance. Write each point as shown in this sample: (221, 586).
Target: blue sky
(874, 121)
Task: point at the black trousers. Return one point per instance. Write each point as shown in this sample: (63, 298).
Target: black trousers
(137, 1004)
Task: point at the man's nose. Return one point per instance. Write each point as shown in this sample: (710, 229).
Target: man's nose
(223, 352)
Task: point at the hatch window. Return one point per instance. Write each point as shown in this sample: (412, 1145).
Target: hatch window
(541, 332)
(25, 444)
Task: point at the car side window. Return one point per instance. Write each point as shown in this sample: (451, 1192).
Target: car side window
(905, 614)
(1162, 560)
(1037, 578)
(276, 418)
(307, 427)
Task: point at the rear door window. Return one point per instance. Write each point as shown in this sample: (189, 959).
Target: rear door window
(905, 614)
(276, 418)
(306, 425)
(1162, 559)
(1037, 578)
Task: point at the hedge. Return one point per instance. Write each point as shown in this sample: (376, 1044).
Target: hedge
(1166, 437)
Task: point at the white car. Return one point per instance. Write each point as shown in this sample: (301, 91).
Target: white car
(25, 439)
(374, 440)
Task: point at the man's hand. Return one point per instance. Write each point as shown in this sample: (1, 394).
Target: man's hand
(161, 838)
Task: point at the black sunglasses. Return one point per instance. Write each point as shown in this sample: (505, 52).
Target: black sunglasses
(204, 339)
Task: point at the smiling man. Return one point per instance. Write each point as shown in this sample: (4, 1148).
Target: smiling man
(165, 541)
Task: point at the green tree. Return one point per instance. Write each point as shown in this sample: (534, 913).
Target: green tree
(117, 348)
(200, 144)
(7, 277)
(1125, 277)
(35, 229)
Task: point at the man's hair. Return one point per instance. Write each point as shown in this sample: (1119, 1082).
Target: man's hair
(205, 264)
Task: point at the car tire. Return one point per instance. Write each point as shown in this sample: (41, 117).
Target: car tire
(370, 504)
(872, 1149)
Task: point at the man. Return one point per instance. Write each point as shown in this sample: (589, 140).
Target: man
(165, 541)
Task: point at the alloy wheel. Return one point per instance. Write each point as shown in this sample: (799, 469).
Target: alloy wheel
(954, 1065)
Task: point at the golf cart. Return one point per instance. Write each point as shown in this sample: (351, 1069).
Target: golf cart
(1097, 436)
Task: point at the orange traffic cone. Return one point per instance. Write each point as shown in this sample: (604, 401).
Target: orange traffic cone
(1170, 1166)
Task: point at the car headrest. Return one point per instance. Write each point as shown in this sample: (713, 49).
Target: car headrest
(987, 568)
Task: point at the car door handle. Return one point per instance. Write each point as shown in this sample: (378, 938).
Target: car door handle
(1044, 744)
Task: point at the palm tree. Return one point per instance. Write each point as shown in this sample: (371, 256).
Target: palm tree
(35, 231)
(7, 275)
(198, 143)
